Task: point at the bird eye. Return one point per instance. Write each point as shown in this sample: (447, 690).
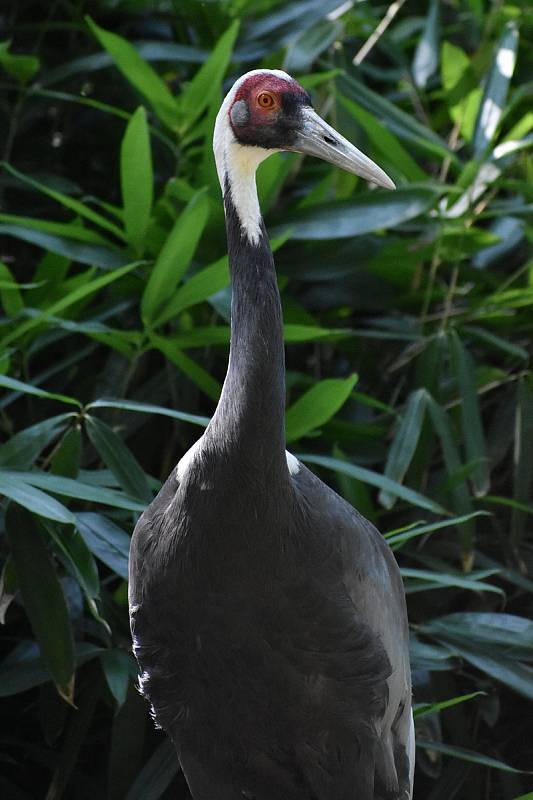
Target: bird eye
(265, 100)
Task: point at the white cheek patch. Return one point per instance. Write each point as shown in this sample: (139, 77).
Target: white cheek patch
(239, 162)
(292, 463)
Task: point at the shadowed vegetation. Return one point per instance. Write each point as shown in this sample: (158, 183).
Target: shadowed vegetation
(408, 325)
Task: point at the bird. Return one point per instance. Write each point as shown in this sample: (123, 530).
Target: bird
(268, 616)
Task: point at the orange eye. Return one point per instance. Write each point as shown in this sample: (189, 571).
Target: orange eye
(265, 100)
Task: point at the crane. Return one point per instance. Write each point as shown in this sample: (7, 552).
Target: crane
(268, 616)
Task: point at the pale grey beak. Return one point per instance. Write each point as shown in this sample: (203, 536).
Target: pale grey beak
(317, 138)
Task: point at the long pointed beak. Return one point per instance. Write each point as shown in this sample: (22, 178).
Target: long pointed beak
(317, 138)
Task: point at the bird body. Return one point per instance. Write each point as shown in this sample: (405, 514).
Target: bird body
(268, 616)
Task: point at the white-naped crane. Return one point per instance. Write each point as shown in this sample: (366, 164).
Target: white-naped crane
(268, 616)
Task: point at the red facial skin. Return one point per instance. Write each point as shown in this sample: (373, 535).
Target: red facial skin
(256, 85)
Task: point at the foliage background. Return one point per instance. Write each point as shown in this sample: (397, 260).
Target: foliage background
(114, 338)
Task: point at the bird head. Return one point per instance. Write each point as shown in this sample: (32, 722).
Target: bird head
(267, 111)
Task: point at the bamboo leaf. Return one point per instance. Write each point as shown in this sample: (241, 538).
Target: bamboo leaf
(119, 459)
(67, 487)
(430, 708)
(426, 59)
(206, 84)
(105, 540)
(466, 755)
(22, 449)
(136, 179)
(69, 202)
(174, 258)
(316, 406)
(495, 89)
(43, 597)
(404, 443)
(375, 479)
(473, 435)
(12, 486)
(369, 212)
(85, 290)
(149, 408)
(138, 73)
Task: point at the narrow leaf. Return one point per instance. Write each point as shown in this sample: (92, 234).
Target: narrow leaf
(138, 73)
(149, 408)
(426, 57)
(206, 84)
(366, 213)
(28, 388)
(136, 179)
(405, 441)
(43, 597)
(473, 435)
(465, 755)
(174, 258)
(105, 540)
(430, 708)
(67, 487)
(316, 406)
(495, 89)
(12, 486)
(119, 459)
(375, 479)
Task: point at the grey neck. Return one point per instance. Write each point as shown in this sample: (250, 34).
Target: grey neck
(249, 422)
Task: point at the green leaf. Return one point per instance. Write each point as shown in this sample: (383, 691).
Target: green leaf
(401, 123)
(67, 456)
(375, 479)
(71, 248)
(138, 73)
(174, 258)
(119, 459)
(507, 634)
(43, 597)
(68, 202)
(472, 425)
(27, 388)
(522, 458)
(206, 84)
(197, 374)
(368, 212)
(68, 488)
(149, 408)
(13, 486)
(461, 496)
(197, 288)
(385, 141)
(136, 179)
(426, 58)
(465, 755)
(105, 540)
(22, 449)
(78, 561)
(81, 292)
(10, 296)
(21, 67)
(496, 89)
(430, 708)
(405, 441)
(316, 406)
(436, 580)
(398, 538)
